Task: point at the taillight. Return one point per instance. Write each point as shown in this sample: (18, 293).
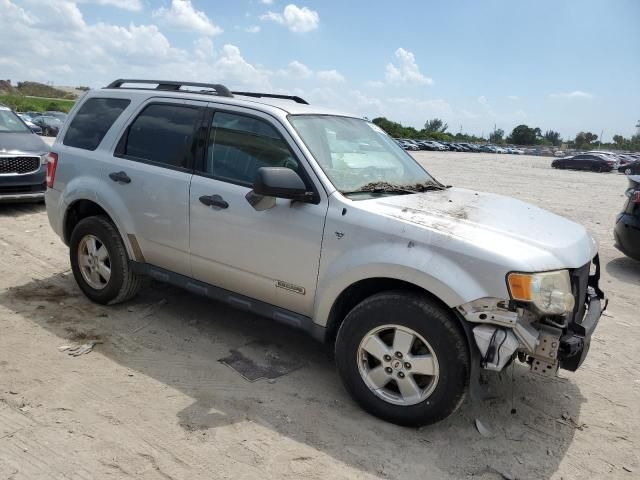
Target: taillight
(52, 163)
(635, 197)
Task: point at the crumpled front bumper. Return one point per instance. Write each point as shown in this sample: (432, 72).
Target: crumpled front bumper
(574, 345)
(547, 343)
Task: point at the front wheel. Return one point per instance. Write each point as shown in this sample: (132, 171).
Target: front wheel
(403, 358)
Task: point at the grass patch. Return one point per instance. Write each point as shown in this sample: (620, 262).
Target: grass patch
(24, 104)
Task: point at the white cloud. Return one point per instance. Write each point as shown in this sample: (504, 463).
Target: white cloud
(374, 84)
(520, 114)
(330, 76)
(406, 71)
(574, 94)
(296, 70)
(131, 5)
(183, 16)
(482, 100)
(252, 29)
(203, 48)
(232, 68)
(296, 19)
(513, 97)
(266, 2)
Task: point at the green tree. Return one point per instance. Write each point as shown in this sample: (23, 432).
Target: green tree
(553, 137)
(435, 126)
(523, 135)
(619, 140)
(497, 136)
(392, 128)
(585, 139)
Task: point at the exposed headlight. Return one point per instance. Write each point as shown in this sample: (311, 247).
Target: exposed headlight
(550, 292)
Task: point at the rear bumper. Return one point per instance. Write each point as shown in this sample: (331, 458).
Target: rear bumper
(27, 187)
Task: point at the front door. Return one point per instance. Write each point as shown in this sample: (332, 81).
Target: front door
(270, 255)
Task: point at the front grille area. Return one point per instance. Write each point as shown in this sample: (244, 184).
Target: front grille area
(14, 190)
(19, 164)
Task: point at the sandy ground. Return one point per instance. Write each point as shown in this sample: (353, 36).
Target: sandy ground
(152, 400)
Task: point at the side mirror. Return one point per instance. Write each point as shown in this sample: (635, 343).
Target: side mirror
(279, 182)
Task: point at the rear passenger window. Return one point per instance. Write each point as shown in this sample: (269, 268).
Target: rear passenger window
(240, 145)
(93, 121)
(162, 134)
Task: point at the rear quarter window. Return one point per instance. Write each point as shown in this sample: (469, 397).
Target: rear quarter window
(93, 121)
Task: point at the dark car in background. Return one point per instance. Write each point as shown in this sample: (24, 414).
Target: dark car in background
(586, 161)
(27, 119)
(59, 115)
(50, 125)
(627, 229)
(632, 168)
(22, 160)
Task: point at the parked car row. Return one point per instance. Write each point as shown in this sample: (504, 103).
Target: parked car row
(441, 146)
(46, 123)
(599, 161)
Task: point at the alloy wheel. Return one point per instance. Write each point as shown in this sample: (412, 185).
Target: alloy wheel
(94, 262)
(398, 365)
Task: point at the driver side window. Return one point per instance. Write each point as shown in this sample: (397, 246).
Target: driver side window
(239, 145)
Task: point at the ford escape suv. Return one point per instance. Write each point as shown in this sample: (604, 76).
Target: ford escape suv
(321, 221)
(23, 157)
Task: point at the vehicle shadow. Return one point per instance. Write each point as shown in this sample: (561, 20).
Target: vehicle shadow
(624, 268)
(178, 339)
(17, 209)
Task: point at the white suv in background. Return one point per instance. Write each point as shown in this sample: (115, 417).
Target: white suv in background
(319, 220)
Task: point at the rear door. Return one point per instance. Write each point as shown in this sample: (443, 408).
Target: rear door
(271, 255)
(579, 162)
(151, 170)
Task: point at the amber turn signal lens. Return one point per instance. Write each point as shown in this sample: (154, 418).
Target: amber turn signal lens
(520, 286)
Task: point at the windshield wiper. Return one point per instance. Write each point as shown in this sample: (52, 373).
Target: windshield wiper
(385, 187)
(379, 187)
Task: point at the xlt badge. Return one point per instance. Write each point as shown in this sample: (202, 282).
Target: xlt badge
(290, 286)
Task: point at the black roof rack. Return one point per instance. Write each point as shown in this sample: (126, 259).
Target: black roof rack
(168, 85)
(272, 95)
(220, 90)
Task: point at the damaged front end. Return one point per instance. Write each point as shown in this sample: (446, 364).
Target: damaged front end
(547, 322)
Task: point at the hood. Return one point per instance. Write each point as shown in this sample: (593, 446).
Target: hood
(22, 142)
(527, 237)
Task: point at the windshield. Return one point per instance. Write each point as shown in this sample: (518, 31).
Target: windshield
(359, 157)
(10, 123)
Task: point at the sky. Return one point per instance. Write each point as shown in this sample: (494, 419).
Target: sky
(564, 65)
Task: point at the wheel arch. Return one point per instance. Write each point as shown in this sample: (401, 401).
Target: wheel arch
(82, 208)
(365, 288)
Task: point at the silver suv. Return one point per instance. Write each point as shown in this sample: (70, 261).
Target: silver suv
(321, 221)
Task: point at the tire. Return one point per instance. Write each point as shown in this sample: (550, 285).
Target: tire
(437, 395)
(627, 171)
(122, 283)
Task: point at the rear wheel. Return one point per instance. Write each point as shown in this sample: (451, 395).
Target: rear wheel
(99, 262)
(403, 358)
(627, 171)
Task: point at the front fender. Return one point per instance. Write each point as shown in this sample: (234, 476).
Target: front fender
(438, 275)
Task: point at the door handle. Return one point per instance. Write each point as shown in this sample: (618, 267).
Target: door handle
(214, 201)
(120, 177)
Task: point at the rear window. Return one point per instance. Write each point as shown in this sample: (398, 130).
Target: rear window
(93, 121)
(162, 134)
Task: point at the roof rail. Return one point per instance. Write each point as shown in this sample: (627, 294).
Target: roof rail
(272, 95)
(169, 85)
